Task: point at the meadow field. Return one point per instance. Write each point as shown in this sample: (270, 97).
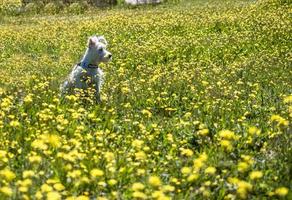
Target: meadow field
(197, 104)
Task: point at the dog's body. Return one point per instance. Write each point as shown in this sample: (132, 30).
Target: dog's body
(87, 74)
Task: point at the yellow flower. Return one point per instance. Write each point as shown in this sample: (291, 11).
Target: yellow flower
(28, 173)
(227, 134)
(46, 188)
(53, 196)
(139, 195)
(54, 140)
(168, 188)
(186, 170)
(109, 156)
(147, 113)
(98, 198)
(210, 170)
(39, 144)
(28, 99)
(154, 181)
(14, 123)
(137, 143)
(192, 177)
(254, 130)
(288, 99)
(6, 191)
(112, 182)
(141, 171)
(187, 152)
(83, 197)
(159, 195)
(96, 173)
(242, 166)
(38, 195)
(35, 159)
(138, 186)
(233, 180)
(226, 144)
(75, 173)
(248, 159)
(58, 186)
(199, 162)
(23, 189)
(203, 157)
(2, 154)
(243, 188)
(101, 183)
(203, 132)
(280, 120)
(140, 155)
(7, 174)
(281, 191)
(256, 175)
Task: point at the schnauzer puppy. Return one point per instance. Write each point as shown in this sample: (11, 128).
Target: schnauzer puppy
(87, 74)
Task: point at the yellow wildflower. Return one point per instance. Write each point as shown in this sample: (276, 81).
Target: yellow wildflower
(46, 188)
(254, 130)
(14, 123)
(192, 177)
(28, 174)
(139, 195)
(281, 191)
(147, 113)
(96, 173)
(243, 188)
(140, 155)
(226, 144)
(187, 152)
(137, 143)
(58, 186)
(112, 182)
(186, 170)
(53, 196)
(7, 174)
(255, 175)
(54, 140)
(288, 99)
(154, 181)
(227, 134)
(7, 191)
(138, 186)
(242, 166)
(210, 170)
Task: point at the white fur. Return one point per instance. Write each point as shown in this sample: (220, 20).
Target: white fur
(87, 73)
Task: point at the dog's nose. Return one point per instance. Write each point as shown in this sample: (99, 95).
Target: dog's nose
(110, 56)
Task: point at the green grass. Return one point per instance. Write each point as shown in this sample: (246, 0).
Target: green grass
(181, 73)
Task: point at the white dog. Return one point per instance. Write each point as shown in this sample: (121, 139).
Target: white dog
(87, 74)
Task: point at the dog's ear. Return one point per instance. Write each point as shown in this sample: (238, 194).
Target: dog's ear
(91, 42)
(102, 39)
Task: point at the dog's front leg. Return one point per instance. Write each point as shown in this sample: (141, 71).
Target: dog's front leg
(96, 84)
(65, 88)
(97, 93)
(98, 80)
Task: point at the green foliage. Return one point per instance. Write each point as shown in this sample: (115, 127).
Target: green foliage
(53, 7)
(75, 8)
(9, 7)
(34, 8)
(196, 104)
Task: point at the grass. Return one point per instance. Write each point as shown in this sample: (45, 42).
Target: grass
(197, 104)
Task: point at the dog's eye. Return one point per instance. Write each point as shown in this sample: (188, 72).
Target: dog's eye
(100, 50)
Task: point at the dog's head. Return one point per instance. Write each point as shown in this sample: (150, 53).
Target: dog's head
(97, 49)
